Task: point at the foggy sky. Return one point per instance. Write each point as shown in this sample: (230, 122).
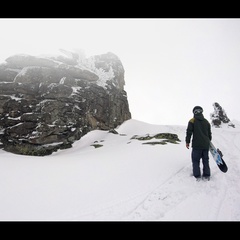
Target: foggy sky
(170, 65)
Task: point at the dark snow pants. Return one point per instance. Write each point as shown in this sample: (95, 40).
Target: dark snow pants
(197, 155)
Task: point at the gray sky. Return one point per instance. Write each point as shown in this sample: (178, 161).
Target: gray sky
(170, 65)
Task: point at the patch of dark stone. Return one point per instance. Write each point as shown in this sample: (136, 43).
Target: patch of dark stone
(97, 145)
(167, 138)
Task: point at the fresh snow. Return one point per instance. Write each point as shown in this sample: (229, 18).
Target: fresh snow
(124, 180)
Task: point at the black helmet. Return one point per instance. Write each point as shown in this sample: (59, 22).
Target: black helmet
(197, 109)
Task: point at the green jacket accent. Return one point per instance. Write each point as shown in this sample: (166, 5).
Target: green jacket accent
(200, 130)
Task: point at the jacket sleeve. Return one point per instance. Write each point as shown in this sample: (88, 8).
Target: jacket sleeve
(209, 132)
(189, 132)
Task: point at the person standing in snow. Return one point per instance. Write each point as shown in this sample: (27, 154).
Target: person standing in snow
(200, 130)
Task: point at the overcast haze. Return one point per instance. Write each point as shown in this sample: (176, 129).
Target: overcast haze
(170, 65)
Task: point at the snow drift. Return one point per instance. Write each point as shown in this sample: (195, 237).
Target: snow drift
(123, 180)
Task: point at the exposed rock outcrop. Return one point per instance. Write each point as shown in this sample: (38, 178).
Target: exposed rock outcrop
(47, 103)
(219, 117)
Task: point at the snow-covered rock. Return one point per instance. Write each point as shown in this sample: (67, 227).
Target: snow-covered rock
(58, 99)
(219, 117)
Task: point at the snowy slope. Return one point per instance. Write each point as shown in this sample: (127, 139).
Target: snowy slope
(124, 180)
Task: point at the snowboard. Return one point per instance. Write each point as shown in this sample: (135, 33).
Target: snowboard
(217, 156)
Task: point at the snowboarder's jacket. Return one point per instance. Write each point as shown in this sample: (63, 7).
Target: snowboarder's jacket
(200, 129)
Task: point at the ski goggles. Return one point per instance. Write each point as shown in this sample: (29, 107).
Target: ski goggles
(196, 111)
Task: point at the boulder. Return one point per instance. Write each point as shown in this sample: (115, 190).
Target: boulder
(48, 103)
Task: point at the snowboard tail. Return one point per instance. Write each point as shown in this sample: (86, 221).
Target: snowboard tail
(217, 156)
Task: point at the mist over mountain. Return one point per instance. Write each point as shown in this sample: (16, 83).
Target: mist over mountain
(48, 102)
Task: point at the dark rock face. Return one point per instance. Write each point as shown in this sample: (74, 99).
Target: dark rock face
(219, 117)
(47, 104)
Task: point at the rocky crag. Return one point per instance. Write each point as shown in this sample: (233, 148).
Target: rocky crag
(47, 103)
(219, 117)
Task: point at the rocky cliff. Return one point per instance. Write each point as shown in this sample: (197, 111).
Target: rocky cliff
(48, 103)
(219, 117)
